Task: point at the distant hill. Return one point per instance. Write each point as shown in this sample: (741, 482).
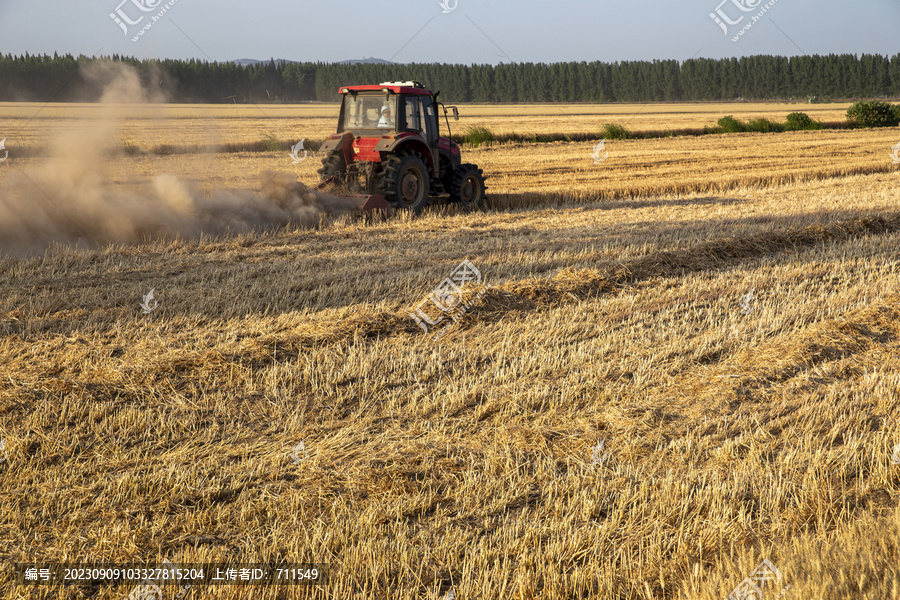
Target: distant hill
(366, 61)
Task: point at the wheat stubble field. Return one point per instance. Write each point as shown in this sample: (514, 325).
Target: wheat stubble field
(722, 313)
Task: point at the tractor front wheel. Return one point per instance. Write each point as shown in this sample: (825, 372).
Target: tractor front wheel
(405, 184)
(468, 187)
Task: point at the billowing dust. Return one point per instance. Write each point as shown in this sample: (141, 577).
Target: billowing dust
(67, 198)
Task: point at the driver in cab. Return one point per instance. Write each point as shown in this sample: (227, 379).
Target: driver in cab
(385, 121)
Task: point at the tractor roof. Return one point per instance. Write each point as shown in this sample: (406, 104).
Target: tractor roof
(395, 87)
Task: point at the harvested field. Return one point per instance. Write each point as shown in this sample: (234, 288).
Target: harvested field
(152, 126)
(678, 362)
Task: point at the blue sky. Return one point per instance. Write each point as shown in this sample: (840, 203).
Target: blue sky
(474, 31)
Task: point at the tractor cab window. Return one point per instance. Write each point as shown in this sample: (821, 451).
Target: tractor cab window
(368, 112)
(429, 122)
(411, 113)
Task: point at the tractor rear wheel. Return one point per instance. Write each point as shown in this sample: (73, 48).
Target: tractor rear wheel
(331, 164)
(348, 177)
(468, 187)
(405, 184)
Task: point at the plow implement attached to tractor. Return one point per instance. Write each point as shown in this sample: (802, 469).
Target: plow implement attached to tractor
(372, 203)
(389, 154)
(365, 203)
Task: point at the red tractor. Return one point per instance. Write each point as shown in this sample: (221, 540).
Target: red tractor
(388, 143)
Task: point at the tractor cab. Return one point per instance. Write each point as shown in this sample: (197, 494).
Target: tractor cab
(391, 109)
(388, 141)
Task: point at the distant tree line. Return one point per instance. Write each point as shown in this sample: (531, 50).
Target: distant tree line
(845, 76)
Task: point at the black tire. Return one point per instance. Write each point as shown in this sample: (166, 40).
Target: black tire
(331, 164)
(468, 187)
(405, 184)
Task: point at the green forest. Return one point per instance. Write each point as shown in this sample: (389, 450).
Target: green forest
(846, 76)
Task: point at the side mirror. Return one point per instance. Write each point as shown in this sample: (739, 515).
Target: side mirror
(455, 113)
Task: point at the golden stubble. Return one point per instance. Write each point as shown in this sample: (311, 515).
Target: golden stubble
(732, 342)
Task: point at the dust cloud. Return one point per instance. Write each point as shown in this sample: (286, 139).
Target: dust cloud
(68, 198)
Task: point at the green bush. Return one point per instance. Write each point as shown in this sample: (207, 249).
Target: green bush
(763, 125)
(798, 121)
(614, 131)
(872, 113)
(795, 121)
(479, 135)
(731, 125)
(272, 142)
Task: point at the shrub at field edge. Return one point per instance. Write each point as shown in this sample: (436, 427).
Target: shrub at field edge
(614, 131)
(873, 113)
(796, 121)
